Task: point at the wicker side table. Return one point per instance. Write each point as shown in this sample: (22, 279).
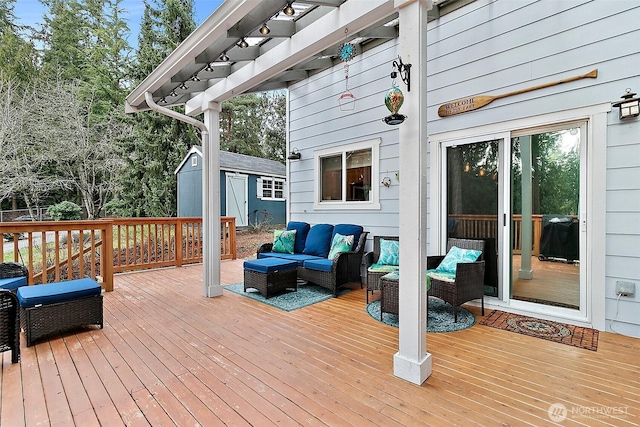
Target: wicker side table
(389, 295)
(270, 275)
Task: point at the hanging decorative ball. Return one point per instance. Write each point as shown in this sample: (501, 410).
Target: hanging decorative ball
(394, 99)
(347, 51)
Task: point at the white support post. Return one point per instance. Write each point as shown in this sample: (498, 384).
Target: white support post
(211, 203)
(526, 272)
(412, 362)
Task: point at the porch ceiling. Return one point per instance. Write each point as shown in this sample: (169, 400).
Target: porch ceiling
(194, 74)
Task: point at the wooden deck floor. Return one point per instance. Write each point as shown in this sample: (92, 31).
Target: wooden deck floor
(168, 356)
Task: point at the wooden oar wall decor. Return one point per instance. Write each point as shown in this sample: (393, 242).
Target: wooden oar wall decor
(474, 102)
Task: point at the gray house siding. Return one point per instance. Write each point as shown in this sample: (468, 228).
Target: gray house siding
(316, 123)
(490, 48)
(494, 47)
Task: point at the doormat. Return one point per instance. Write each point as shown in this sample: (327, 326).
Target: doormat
(288, 301)
(576, 336)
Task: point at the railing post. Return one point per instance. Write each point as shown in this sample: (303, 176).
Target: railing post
(106, 259)
(232, 237)
(178, 242)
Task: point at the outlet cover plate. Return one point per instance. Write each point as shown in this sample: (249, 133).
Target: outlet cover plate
(626, 289)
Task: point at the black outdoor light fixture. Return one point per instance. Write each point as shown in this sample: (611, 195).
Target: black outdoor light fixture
(289, 10)
(243, 43)
(224, 57)
(294, 154)
(264, 30)
(629, 106)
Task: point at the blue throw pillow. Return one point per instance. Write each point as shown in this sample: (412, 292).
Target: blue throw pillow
(302, 229)
(389, 252)
(284, 241)
(340, 244)
(455, 256)
(348, 230)
(319, 240)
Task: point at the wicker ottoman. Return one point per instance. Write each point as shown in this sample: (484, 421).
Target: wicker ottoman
(59, 306)
(389, 295)
(270, 275)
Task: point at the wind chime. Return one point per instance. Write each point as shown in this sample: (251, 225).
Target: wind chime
(347, 51)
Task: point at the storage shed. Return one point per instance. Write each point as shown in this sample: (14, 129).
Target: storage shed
(252, 189)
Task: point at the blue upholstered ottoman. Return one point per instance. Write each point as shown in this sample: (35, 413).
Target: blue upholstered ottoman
(270, 275)
(59, 306)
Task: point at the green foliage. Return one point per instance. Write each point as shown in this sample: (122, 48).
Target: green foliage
(65, 211)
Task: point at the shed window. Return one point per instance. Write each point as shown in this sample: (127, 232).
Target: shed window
(194, 160)
(270, 188)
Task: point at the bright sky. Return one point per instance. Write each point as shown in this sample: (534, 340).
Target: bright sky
(29, 12)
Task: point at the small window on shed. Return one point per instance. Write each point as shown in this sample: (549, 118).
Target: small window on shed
(194, 160)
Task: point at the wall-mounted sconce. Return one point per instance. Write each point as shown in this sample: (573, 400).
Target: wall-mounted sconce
(394, 97)
(629, 106)
(294, 154)
(386, 181)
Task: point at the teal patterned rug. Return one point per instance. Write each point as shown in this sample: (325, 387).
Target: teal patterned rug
(289, 300)
(439, 316)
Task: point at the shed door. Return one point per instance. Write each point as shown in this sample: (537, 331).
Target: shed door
(237, 189)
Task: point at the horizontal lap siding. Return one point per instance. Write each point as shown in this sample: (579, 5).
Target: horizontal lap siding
(495, 47)
(317, 123)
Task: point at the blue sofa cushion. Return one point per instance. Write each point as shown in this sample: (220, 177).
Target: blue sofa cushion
(30, 296)
(13, 283)
(319, 240)
(319, 264)
(270, 265)
(349, 230)
(302, 229)
(299, 258)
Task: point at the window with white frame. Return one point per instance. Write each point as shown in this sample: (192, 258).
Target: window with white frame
(270, 188)
(345, 176)
(194, 160)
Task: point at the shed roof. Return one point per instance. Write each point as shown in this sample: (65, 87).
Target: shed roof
(241, 163)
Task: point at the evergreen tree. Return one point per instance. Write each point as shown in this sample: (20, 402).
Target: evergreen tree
(148, 183)
(18, 58)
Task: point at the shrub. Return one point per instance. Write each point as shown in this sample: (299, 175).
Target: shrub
(65, 211)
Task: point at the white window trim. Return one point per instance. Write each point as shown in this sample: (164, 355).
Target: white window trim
(374, 202)
(194, 160)
(260, 188)
(594, 208)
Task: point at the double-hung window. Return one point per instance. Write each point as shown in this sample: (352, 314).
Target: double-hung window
(345, 176)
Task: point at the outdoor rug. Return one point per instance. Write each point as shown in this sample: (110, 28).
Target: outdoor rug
(289, 300)
(439, 316)
(576, 336)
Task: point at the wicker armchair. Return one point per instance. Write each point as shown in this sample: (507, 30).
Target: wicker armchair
(10, 270)
(10, 324)
(469, 280)
(373, 277)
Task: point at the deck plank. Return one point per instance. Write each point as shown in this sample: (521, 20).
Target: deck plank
(170, 356)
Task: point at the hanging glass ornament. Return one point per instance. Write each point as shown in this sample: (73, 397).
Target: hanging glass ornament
(393, 100)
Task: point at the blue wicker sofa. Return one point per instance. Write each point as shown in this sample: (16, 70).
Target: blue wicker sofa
(311, 250)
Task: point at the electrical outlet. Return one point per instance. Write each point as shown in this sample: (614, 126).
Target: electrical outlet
(625, 289)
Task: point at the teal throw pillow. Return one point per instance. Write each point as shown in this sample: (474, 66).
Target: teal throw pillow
(455, 256)
(389, 252)
(340, 244)
(284, 241)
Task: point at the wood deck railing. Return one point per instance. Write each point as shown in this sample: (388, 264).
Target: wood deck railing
(486, 226)
(124, 244)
